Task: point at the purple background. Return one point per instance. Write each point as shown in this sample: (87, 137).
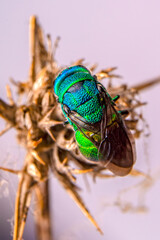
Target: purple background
(121, 33)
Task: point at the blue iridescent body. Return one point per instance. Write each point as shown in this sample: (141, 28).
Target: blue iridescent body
(78, 91)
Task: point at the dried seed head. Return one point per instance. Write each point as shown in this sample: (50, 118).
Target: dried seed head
(48, 142)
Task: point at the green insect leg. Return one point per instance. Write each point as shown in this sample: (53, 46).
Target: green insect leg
(115, 98)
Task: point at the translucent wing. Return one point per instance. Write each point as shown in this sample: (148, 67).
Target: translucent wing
(81, 124)
(117, 145)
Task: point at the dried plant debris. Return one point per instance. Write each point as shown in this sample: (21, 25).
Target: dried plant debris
(49, 143)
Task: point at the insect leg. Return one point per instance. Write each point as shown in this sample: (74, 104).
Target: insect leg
(115, 98)
(124, 113)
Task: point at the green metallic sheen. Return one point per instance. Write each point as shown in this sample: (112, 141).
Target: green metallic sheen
(86, 147)
(77, 89)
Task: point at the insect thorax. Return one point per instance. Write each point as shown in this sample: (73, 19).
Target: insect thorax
(83, 98)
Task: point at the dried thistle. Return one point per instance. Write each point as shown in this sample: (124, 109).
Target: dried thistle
(49, 143)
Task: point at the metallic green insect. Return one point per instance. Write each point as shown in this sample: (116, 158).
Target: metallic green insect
(101, 134)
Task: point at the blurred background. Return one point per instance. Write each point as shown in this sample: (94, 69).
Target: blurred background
(120, 33)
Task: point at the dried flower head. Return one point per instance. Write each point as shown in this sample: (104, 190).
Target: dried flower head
(49, 143)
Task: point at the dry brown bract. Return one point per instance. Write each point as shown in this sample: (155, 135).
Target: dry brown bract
(49, 143)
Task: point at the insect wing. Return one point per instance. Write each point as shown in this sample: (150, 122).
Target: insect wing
(117, 145)
(81, 123)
